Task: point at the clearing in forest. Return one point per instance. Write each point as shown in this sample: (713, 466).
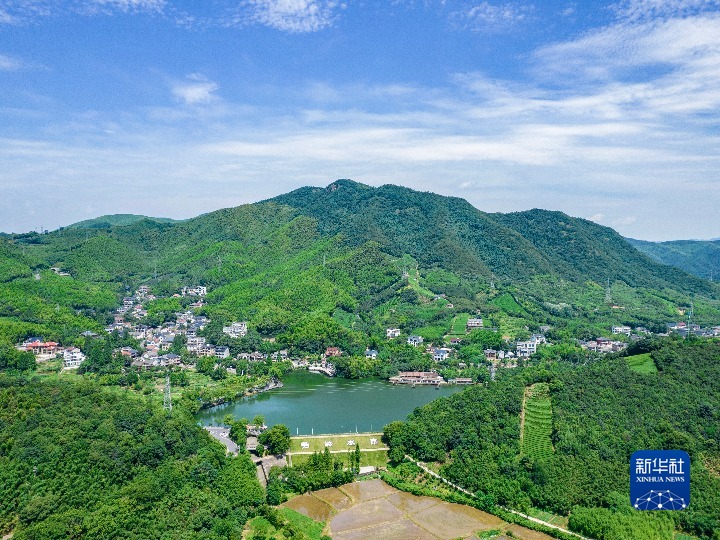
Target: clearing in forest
(642, 363)
(536, 422)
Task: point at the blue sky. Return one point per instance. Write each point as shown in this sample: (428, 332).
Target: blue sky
(604, 110)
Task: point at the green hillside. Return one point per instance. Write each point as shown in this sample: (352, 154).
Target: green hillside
(339, 264)
(115, 220)
(80, 461)
(698, 257)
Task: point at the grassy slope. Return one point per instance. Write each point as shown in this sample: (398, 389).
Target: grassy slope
(642, 363)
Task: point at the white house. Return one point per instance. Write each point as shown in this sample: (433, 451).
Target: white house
(371, 353)
(529, 347)
(194, 344)
(222, 352)
(415, 340)
(474, 323)
(194, 291)
(621, 330)
(440, 354)
(236, 329)
(392, 333)
(72, 357)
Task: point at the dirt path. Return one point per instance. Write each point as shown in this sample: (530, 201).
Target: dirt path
(536, 520)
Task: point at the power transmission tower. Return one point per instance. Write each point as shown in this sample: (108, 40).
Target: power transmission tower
(608, 293)
(492, 282)
(167, 398)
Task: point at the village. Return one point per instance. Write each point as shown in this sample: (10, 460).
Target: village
(155, 344)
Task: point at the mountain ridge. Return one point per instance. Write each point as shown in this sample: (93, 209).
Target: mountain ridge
(319, 266)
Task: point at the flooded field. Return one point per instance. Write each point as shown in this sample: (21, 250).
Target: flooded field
(373, 509)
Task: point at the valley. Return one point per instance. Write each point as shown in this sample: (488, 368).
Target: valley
(521, 356)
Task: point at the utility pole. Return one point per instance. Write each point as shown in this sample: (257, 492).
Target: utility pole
(167, 398)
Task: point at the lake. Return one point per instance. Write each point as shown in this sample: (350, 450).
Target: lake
(313, 403)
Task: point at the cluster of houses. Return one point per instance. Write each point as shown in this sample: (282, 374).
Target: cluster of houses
(156, 342)
(602, 345)
(686, 329)
(46, 350)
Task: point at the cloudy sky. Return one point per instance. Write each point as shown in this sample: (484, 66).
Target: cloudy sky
(604, 110)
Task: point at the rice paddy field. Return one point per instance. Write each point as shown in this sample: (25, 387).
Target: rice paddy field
(373, 509)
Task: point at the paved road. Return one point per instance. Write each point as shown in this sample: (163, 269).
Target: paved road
(221, 434)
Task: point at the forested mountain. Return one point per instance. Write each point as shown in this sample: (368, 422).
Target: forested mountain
(115, 220)
(336, 265)
(698, 257)
(79, 461)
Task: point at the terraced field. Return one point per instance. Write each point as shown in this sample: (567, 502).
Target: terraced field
(537, 422)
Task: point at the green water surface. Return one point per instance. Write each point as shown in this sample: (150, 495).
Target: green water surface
(312, 403)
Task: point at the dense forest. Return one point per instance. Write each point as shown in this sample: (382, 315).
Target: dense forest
(601, 413)
(699, 257)
(336, 266)
(79, 461)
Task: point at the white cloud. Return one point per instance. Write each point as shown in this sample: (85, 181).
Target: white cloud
(197, 89)
(597, 217)
(294, 16)
(8, 63)
(13, 63)
(644, 10)
(487, 16)
(126, 6)
(624, 221)
(28, 11)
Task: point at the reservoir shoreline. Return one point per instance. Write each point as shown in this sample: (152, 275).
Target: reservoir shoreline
(313, 404)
